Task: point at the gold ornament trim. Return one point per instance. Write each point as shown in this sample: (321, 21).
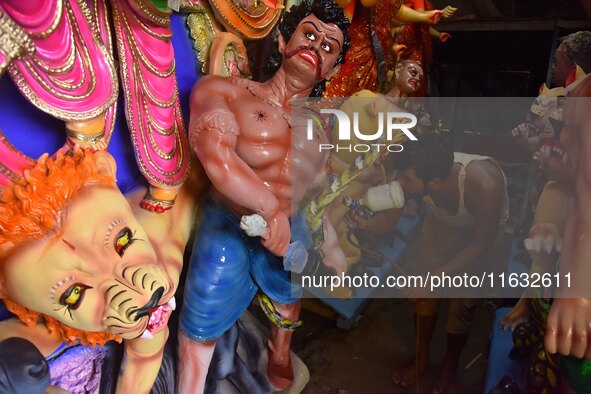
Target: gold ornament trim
(62, 114)
(56, 21)
(14, 41)
(203, 28)
(85, 137)
(150, 11)
(134, 123)
(246, 26)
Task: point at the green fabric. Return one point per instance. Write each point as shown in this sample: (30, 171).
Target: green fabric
(576, 373)
(161, 4)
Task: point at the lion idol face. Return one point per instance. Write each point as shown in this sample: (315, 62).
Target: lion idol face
(96, 272)
(545, 110)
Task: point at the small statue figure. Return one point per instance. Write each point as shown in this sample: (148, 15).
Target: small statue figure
(540, 122)
(572, 52)
(242, 132)
(408, 79)
(414, 41)
(370, 57)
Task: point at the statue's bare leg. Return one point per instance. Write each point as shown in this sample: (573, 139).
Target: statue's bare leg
(279, 367)
(194, 360)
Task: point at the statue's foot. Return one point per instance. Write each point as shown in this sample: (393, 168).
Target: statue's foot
(159, 200)
(87, 134)
(408, 376)
(95, 145)
(279, 372)
(156, 206)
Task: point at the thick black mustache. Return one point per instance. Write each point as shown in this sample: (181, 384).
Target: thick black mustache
(300, 48)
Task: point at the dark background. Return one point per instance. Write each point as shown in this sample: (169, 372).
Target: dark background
(501, 48)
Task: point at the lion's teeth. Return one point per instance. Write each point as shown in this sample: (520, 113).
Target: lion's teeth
(172, 303)
(147, 335)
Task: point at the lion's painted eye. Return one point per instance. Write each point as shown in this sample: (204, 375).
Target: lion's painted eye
(123, 240)
(73, 296)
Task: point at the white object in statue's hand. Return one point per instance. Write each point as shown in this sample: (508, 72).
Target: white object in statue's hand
(296, 257)
(253, 225)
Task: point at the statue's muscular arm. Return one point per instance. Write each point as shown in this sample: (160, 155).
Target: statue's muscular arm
(568, 328)
(214, 134)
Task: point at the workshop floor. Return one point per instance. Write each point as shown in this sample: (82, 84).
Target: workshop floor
(361, 360)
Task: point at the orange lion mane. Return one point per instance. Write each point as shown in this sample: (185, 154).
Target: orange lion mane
(32, 208)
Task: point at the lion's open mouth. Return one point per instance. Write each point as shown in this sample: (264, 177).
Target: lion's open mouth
(158, 318)
(554, 149)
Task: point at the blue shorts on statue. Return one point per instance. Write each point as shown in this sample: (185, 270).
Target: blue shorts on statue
(226, 270)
